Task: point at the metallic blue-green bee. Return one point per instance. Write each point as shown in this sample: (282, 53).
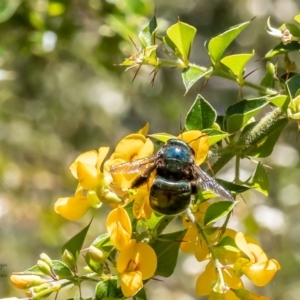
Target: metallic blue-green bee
(177, 177)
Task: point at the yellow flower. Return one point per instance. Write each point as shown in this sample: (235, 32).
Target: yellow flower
(257, 267)
(130, 148)
(73, 208)
(119, 226)
(136, 262)
(208, 280)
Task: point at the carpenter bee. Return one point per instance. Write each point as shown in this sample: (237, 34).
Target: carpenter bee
(177, 177)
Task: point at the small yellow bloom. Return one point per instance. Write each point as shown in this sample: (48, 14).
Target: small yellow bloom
(73, 208)
(257, 267)
(119, 226)
(207, 280)
(26, 281)
(136, 262)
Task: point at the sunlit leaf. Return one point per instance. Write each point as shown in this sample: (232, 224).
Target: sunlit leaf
(163, 137)
(180, 37)
(281, 101)
(192, 74)
(293, 85)
(215, 135)
(218, 210)
(218, 44)
(201, 115)
(236, 64)
(108, 289)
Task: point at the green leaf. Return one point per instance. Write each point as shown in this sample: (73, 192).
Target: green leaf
(140, 295)
(297, 18)
(147, 35)
(108, 289)
(192, 74)
(180, 37)
(103, 243)
(293, 85)
(62, 270)
(166, 249)
(74, 245)
(259, 180)
(218, 210)
(281, 48)
(201, 115)
(228, 244)
(265, 146)
(232, 187)
(215, 135)
(162, 136)
(238, 114)
(281, 101)
(236, 64)
(218, 44)
(157, 223)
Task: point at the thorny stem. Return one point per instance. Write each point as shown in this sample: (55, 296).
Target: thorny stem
(217, 264)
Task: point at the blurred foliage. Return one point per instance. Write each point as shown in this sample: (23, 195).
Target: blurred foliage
(61, 94)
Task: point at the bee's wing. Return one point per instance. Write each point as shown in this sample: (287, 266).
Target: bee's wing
(136, 166)
(143, 166)
(206, 182)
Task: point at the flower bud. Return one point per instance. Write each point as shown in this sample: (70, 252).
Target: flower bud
(69, 259)
(44, 267)
(96, 254)
(26, 281)
(44, 257)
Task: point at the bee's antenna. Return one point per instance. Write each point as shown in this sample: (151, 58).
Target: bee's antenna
(199, 137)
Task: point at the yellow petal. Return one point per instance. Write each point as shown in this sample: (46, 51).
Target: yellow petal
(131, 282)
(189, 243)
(146, 150)
(146, 260)
(261, 273)
(120, 215)
(205, 280)
(72, 208)
(89, 158)
(199, 142)
(144, 130)
(126, 256)
(128, 147)
(102, 152)
(87, 176)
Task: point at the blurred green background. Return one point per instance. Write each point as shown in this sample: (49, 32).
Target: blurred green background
(61, 94)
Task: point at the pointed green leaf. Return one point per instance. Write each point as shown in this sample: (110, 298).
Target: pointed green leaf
(294, 29)
(157, 223)
(147, 35)
(236, 64)
(140, 295)
(232, 187)
(201, 115)
(293, 85)
(166, 249)
(217, 211)
(180, 37)
(265, 146)
(215, 135)
(192, 74)
(259, 180)
(238, 114)
(162, 136)
(281, 101)
(74, 245)
(297, 18)
(218, 44)
(281, 48)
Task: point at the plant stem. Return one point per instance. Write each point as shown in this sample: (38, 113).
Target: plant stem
(217, 264)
